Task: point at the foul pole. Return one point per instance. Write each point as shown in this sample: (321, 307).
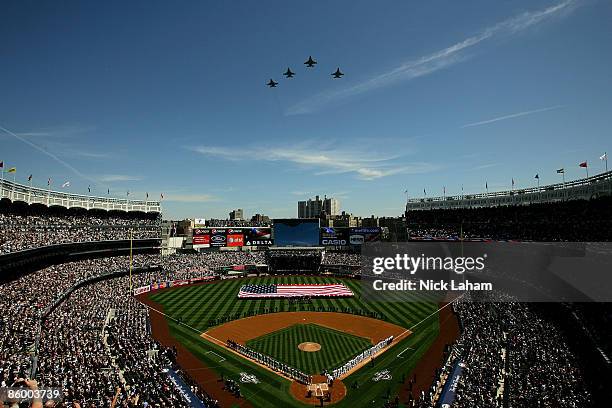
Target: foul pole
(131, 257)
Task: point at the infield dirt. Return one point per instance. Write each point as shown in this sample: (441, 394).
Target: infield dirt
(249, 328)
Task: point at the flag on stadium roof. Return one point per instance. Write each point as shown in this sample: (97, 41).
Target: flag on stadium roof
(604, 156)
(66, 184)
(1, 164)
(49, 181)
(561, 170)
(12, 170)
(583, 164)
(537, 176)
(30, 177)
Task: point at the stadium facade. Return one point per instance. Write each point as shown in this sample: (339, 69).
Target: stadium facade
(581, 189)
(33, 195)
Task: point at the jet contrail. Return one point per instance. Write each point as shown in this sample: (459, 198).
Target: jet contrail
(51, 155)
(433, 62)
(511, 116)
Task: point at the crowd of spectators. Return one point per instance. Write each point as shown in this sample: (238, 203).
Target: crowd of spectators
(577, 220)
(341, 258)
(24, 301)
(95, 345)
(511, 357)
(294, 260)
(19, 232)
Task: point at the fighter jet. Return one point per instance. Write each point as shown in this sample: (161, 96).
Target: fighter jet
(310, 63)
(272, 84)
(337, 74)
(289, 74)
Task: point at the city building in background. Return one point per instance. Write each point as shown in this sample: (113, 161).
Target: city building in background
(318, 208)
(236, 215)
(260, 219)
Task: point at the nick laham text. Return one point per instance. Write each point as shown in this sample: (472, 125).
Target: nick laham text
(433, 285)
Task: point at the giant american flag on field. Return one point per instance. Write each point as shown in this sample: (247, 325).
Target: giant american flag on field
(287, 291)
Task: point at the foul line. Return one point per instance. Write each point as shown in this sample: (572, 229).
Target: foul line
(171, 318)
(404, 350)
(426, 318)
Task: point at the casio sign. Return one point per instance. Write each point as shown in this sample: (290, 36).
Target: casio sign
(334, 241)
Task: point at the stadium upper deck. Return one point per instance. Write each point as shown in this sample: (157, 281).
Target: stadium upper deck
(581, 189)
(34, 195)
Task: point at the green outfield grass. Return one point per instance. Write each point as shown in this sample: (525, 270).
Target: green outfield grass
(336, 347)
(193, 309)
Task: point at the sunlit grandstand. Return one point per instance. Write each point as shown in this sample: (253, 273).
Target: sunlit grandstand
(88, 283)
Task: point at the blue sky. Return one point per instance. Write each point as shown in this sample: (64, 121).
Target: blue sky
(170, 98)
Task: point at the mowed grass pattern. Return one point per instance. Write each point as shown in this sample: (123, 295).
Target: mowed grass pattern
(336, 347)
(199, 306)
(204, 306)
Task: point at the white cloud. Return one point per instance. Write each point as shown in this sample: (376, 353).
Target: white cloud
(485, 166)
(511, 116)
(433, 62)
(366, 165)
(112, 178)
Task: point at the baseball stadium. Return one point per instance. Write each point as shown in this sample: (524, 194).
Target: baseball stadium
(278, 204)
(148, 312)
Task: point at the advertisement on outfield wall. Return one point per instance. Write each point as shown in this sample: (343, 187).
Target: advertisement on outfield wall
(201, 237)
(258, 236)
(235, 238)
(218, 237)
(361, 235)
(232, 237)
(334, 236)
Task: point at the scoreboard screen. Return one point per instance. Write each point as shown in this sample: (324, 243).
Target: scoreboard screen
(296, 232)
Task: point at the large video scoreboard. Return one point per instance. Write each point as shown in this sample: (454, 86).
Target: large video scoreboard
(296, 232)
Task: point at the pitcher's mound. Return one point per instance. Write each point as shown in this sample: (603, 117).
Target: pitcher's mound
(309, 346)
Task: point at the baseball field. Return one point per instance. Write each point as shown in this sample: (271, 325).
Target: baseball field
(312, 336)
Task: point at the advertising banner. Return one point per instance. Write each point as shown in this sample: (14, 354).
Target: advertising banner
(203, 279)
(449, 392)
(201, 237)
(184, 390)
(334, 236)
(142, 289)
(258, 236)
(203, 240)
(218, 237)
(235, 240)
(361, 235)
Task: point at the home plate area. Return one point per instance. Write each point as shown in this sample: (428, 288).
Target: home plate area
(314, 349)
